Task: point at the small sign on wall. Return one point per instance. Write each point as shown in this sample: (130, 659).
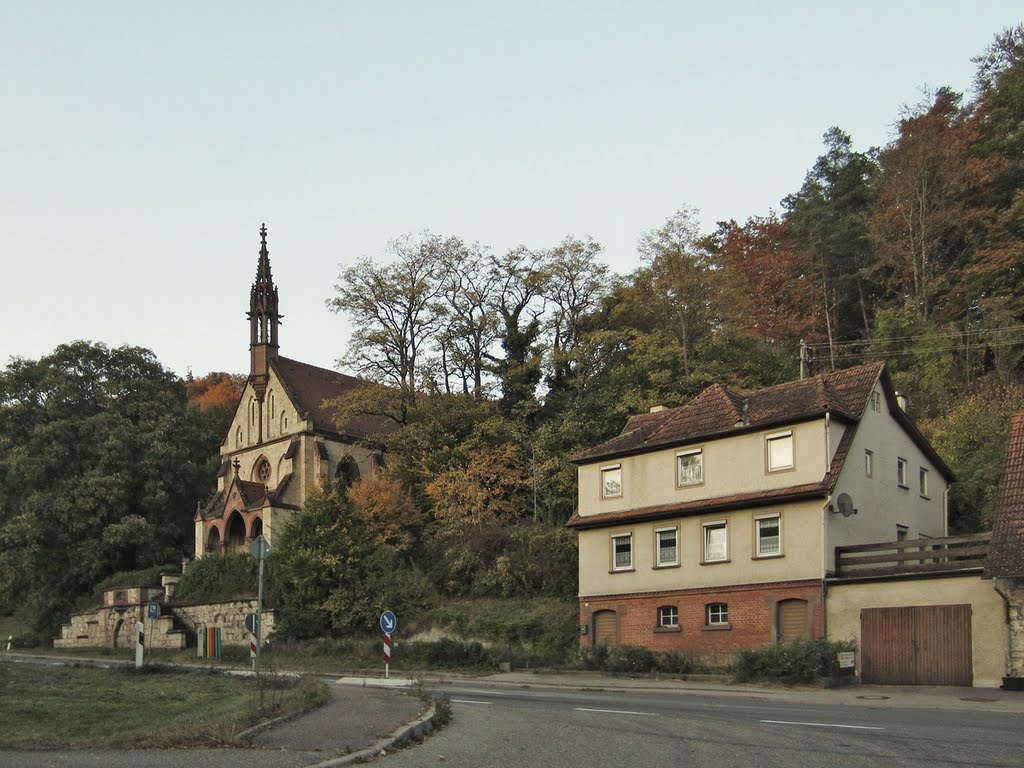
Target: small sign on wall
(845, 659)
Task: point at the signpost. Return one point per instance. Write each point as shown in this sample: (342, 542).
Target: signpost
(260, 550)
(388, 623)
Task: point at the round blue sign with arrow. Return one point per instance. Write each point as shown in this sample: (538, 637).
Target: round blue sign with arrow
(388, 622)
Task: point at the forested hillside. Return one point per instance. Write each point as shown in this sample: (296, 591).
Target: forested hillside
(503, 364)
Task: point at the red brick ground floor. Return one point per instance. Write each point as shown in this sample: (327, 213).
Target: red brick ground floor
(708, 622)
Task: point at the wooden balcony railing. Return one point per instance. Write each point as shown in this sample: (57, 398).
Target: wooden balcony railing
(950, 554)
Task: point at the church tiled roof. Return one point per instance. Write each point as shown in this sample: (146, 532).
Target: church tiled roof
(1006, 551)
(717, 411)
(310, 386)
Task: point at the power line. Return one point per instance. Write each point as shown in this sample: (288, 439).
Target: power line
(921, 337)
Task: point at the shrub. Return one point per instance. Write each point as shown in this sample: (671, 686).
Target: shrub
(630, 659)
(592, 657)
(675, 663)
(800, 661)
(446, 653)
(211, 579)
(145, 577)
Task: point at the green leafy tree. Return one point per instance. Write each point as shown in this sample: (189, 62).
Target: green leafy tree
(972, 440)
(101, 462)
(321, 564)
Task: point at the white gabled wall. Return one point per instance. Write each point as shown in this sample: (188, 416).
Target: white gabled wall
(880, 502)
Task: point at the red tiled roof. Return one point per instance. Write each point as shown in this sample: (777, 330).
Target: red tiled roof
(717, 411)
(1006, 551)
(309, 388)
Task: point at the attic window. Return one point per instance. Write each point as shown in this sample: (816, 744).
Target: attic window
(611, 481)
(780, 451)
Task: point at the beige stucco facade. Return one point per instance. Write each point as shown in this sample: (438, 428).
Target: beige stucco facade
(732, 464)
(988, 614)
(800, 558)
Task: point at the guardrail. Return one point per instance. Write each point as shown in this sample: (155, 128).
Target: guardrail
(894, 558)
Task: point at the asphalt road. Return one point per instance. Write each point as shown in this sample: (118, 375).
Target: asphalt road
(511, 728)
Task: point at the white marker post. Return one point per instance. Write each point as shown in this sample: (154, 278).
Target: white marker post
(140, 642)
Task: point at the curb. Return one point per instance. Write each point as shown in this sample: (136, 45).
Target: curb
(399, 736)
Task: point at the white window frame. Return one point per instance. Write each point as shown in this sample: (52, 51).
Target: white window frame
(628, 536)
(876, 402)
(901, 472)
(777, 516)
(706, 528)
(922, 482)
(778, 437)
(658, 562)
(668, 617)
(604, 486)
(869, 463)
(717, 618)
(699, 453)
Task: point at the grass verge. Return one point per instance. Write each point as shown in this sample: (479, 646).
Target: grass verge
(84, 707)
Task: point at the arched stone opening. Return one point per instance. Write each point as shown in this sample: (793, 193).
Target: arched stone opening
(213, 541)
(256, 530)
(234, 537)
(347, 472)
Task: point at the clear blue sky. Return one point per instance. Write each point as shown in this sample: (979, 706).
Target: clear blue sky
(142, 144)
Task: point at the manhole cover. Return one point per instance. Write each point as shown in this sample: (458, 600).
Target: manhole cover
(976, 698)
(873, 697)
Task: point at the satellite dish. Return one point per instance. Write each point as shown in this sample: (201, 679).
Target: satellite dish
(844, 505)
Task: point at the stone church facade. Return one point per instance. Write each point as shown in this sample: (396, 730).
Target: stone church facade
(283, 441)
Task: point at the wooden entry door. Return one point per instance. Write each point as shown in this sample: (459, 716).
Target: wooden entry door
(606, 627)
(920, 645)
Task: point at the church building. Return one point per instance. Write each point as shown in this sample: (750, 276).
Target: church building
(283, 441)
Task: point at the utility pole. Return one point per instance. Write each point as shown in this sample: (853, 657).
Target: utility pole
(803, 359)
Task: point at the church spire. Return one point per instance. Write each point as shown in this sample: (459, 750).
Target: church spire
(263, 319)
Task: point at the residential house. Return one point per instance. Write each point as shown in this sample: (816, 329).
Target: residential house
(712, 526)
(283, 440)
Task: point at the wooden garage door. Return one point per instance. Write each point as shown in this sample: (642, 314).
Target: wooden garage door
(792, 620)
(922, 645)
(606, 627)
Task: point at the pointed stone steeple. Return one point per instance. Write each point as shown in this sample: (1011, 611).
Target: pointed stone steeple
(264, 319)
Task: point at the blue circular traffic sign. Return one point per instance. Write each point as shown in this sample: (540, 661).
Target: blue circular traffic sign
(388, 622)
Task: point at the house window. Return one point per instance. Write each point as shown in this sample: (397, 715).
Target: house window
(780, 451)
(869, 464)
(716, 545)
(768, 532)
(901, 532)
(622, 552)
(901, 473)
(690, 467)
(611, 482)
(668, 549)
(668, 616)
(922, 480)
(717, 614)
(876, 402)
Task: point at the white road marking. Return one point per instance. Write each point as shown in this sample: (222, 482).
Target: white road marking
(470, 701)
(826, 725)
(616, 712)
